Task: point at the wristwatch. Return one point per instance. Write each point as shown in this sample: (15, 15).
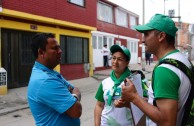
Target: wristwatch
(76, 97)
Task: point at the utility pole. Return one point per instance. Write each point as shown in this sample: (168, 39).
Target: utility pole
(164, 7)
(143, 46)
(179, 28)
(143, 13)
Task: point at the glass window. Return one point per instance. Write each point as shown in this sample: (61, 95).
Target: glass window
(118, 42)
(132, 47)
(104, 12)
(135, 47)
(94, 42)
(104, 40)
(110, 42)
(78, 2)
(133, 22)
(100, 42)
(75, 50)
(121, 18)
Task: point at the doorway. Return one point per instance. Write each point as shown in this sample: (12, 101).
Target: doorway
(17, 58)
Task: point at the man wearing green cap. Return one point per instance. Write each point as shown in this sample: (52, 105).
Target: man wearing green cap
(170, 86)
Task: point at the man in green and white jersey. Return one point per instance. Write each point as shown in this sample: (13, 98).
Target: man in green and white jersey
(170, 86)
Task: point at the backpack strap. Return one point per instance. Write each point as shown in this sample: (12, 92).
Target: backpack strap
(179, 65)
(190, 74)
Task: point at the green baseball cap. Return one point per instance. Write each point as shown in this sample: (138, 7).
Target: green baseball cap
(125, 50)
(159, 22)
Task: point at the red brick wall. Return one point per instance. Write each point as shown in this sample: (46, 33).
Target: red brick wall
(118, 30)
(58, 9)
(184, 34)
(73, 71)
(115, 29)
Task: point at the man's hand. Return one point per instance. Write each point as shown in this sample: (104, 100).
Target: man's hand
(120, 103)
(70, 88)
(75, 110)
(128, 92)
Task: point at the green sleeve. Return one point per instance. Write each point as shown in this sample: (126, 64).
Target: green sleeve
(166, 83)
(145, 88)
(99, 94)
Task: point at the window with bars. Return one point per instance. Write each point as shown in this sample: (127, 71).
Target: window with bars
(75, 50)
(27, 57)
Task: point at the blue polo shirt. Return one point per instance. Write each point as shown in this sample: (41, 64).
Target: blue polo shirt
(49, 97)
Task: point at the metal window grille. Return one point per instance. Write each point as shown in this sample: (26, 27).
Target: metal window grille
(3, 77)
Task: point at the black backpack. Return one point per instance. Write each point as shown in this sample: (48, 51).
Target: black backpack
(188, 116)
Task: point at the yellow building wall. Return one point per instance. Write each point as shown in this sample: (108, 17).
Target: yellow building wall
(8, 24)
(0, 45)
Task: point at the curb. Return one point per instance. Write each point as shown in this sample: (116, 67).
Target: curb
(99, 77)
(13, 109)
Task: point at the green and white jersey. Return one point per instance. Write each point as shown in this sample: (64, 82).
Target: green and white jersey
(170, 83)
(112, 116)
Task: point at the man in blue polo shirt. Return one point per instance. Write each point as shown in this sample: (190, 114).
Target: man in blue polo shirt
(53, 101)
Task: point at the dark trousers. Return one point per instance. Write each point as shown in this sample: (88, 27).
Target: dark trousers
(105, 61)
(148, 60)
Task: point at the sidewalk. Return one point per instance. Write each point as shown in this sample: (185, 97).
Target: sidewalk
(16, 99)
(100, 75)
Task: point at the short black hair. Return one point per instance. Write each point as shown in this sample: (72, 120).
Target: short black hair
(169, 38)
(40, 41)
